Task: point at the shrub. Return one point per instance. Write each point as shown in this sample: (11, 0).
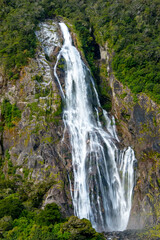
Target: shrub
(10, 113)
(50, 215)
(79, 229)
(5, 223)
(11, 206)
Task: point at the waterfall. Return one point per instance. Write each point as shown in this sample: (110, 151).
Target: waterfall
(103, 173)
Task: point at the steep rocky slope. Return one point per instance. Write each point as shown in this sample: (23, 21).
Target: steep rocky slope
(34, 147)
(138, 121)
(34, 143)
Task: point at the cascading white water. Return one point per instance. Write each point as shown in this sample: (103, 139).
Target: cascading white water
(103, 174)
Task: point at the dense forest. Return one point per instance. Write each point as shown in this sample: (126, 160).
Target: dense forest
(132, 29)
(17, 222)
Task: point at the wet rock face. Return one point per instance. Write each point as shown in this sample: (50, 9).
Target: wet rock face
(138, 124)
(125, 235)
(36, 142)
(140, 118)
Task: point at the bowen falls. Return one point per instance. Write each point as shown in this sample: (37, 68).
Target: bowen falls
(79, 151)
(103, 173)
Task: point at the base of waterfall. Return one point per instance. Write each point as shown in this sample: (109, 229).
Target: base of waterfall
(130, 234)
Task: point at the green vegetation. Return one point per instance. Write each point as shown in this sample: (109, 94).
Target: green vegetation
(28, 227)
(38, 78)
(10, 113)
(151, 233)
(10, 206)
(40, 92)
(21, 215)
(132, 30)
(50, 116)
(18, 41)
(17, 221)
(130, 27)
(19, 20)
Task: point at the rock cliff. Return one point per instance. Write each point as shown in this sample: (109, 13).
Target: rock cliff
(138, 121)
(33, 143)
(35, 148)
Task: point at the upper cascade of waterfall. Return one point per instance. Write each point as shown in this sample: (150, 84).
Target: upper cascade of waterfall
(67, 39)
(103, 174)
